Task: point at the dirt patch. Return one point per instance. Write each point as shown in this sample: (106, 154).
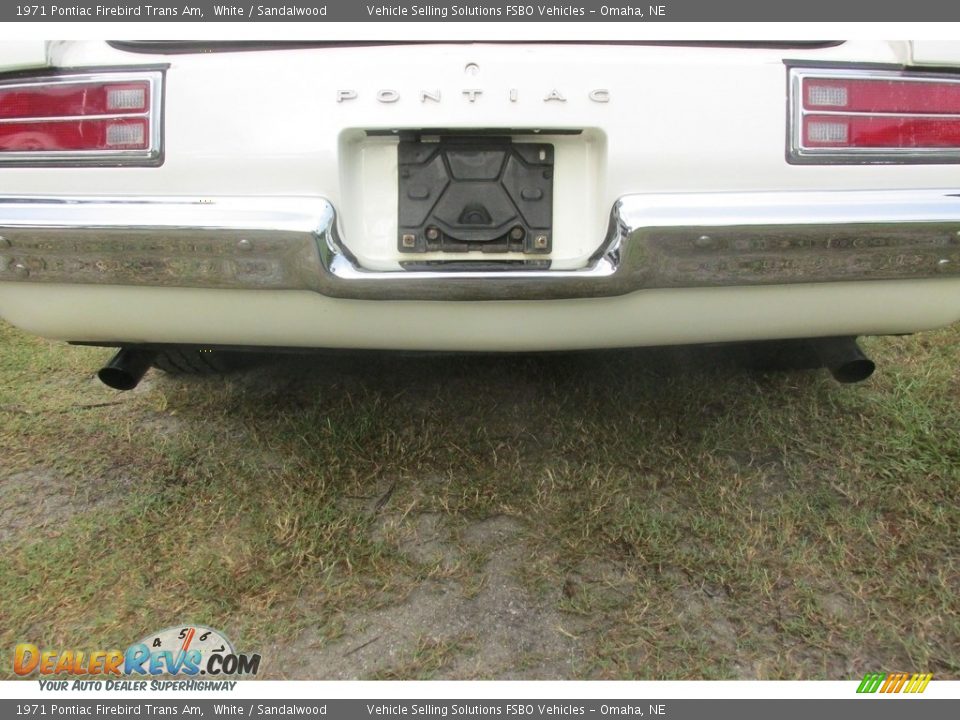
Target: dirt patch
(423, 540)
(477, 624)
(39, 501)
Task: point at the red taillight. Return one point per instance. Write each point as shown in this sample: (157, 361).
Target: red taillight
(874, 116)
(81, 118)
(114, 134)
(45, 101)
(876, 131)
(881, 96)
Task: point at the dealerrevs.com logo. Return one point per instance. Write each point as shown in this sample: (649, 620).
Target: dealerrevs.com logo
(191, 651)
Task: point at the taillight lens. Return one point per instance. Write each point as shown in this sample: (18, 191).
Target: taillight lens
(874, 131)
(44, 136)
(874, 116)
(107, 118)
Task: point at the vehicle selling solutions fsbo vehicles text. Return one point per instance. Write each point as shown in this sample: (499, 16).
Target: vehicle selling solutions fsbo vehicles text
(506, 11)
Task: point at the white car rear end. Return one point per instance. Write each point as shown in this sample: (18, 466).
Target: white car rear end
(699, 193)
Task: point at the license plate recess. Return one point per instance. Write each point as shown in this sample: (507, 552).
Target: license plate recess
(465, 194)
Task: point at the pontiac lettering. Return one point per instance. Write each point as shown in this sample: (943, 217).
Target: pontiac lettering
(471, 95)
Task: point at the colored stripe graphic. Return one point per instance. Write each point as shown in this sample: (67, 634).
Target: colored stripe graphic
(894, 682)
(889, 682)
(924, 680)
(900, 681)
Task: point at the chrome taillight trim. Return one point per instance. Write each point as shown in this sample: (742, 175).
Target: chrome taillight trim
(798, 153)
(151, 155)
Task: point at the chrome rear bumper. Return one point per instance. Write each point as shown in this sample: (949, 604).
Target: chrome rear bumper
(654, 241)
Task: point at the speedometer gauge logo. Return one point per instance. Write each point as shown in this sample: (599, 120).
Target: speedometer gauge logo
(190, 650)
(201, 641)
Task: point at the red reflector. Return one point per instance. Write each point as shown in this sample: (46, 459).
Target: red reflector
(878, 131)
(109, 134)
(893, 96)
(72, 100)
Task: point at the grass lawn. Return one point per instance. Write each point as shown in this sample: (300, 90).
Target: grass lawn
(634, 514)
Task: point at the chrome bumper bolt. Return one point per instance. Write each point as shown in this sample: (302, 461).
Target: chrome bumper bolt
(409, 241)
